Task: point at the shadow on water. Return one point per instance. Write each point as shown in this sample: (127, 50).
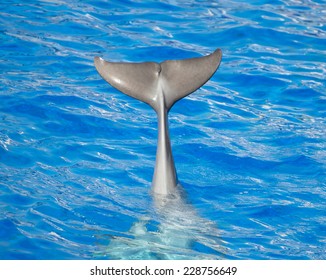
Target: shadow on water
(171, 229)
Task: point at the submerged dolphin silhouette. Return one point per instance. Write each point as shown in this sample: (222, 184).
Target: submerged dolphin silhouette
(171, 229)
(161, 85)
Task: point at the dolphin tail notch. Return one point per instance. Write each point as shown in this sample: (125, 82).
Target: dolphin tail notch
(174, 79)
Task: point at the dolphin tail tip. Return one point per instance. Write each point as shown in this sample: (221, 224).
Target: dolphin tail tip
(97, 60)
(218, 55)
(218, 50)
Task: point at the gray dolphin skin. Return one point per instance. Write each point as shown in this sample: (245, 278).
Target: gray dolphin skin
(161, 85)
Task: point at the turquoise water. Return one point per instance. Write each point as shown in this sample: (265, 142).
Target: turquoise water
(77, 156)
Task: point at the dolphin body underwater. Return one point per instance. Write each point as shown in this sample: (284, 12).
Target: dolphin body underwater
(161, 85)
(172, 229)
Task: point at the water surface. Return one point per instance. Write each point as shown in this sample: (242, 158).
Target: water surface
(77, 156)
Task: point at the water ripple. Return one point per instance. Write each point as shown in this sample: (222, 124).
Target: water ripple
(76, 156)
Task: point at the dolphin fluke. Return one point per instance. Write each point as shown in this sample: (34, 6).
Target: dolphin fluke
(182, 77)
(161, 85)
(138, 80)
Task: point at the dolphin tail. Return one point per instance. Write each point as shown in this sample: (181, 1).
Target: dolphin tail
(161, 85)
(146, 81)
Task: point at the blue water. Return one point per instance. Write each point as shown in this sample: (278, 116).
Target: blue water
(77, 156)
